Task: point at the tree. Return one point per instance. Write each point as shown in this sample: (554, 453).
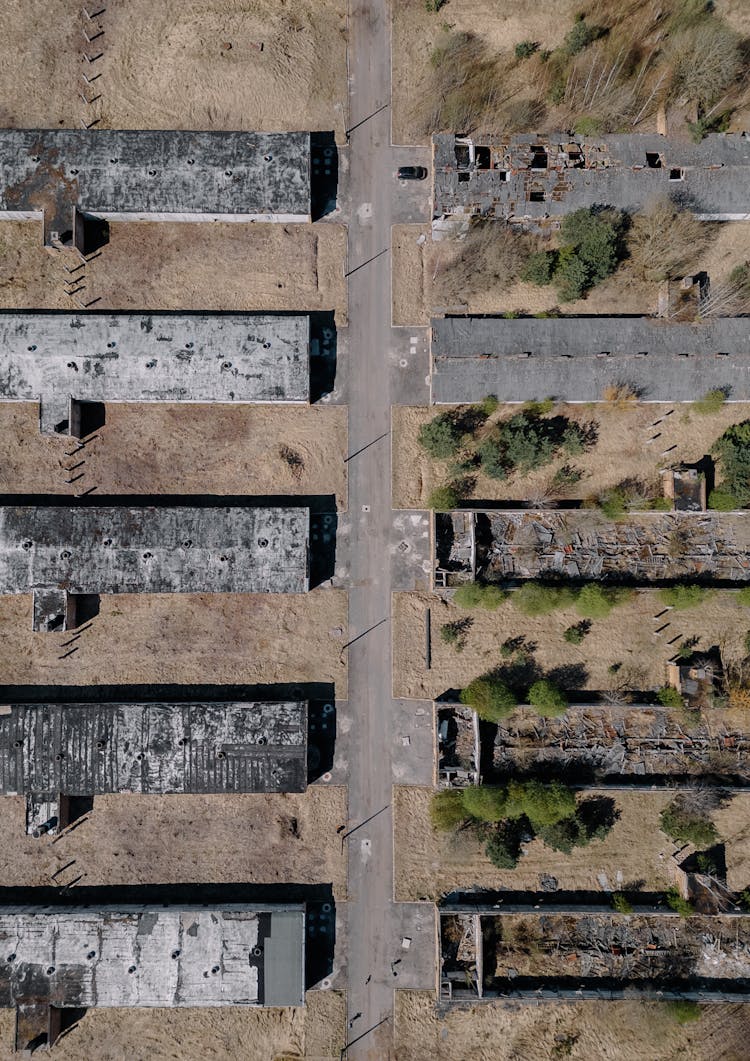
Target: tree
(541, 804)
(503, 847)
(581, 36)
(444, 498)
(447, 809)
(664, 239)
(668, 696)
(681, 597)
(548, 699)
(540, 268)
(594, 601)
(479, 595)
(486, 803)
(561, 836)
(441, 436)
(525, 49)
(680, 822)
(574, 635)
(732, 450)
(490, 698)
(536, 598)
(491, 455)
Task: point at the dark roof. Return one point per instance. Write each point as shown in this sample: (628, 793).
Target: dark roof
(93, 749)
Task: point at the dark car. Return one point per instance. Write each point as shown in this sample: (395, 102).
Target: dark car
(411, 173)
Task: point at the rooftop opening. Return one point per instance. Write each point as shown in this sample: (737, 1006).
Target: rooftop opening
(464, 176)
(677, 174)
(502, 174)
(536, 195)
(463, 158)
(538, 157)
(653, 160)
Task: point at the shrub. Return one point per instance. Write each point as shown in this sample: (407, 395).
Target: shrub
(434, 5)
(447, 810)
(743, 596)
(591, 248)
(479, 595)
(574, 440)
(691, 827)
(441, 436)
(548, 699)
(722, 501)
(503, 848)
(574, 635)
(668, 696)
(537, 409)
(677, 903)
(587, 126)
(681, 597)
(561, 836)
(683, 1010)
(488, 405)
(733, 451)
(536, 598)
(444, 498)
(711, 402)
(486, 803)
(595, 601)
(525, 49)
(621, 904)
(490, 698)
(613, 503)
(492, 459)
(541, 804)
(526, 442)
(455, 633)
(539, 268)
(581, 35)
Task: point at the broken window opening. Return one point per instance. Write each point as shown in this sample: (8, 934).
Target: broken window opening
(536, 195)
(677, 174)
(653, 160)
(539, 157)
(463, 176)
(482, 157)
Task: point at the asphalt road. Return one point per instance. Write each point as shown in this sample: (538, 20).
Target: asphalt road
(373, 928)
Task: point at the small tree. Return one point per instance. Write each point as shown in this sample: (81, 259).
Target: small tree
(441, 437)
(525, 49)
(503, 847)
(581, 36)
(536, 598)
(677, 903)
(574, 635)
(486, 803)
(594, 601)
(732, 450)
(621, 904)
(668, 696)
(490, 698)
(447, 810)
(540, 268)
(679, 822)
(681, 597)
(479, 595)
(541, 804)
(444, 498)
(548, 699)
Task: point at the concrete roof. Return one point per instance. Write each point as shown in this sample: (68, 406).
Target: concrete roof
(167, 956)
(154, 550)
(575, 358)
(137, 357)
(157, 173)
(607, 170)
(92, 749)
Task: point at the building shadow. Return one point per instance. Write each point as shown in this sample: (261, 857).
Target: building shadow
(323, 354)
(324, 174)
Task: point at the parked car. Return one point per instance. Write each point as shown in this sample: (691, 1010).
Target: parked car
(411, 173)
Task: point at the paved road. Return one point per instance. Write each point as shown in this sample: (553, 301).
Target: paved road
(373, 926)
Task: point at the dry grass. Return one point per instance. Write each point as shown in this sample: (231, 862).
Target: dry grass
(581, 1031)
(316, 1032)
(185, 638)
(207, 839)
(160, 448)
(625, 636)
(620, 452)
(183, 64)
(407, 274)
(182, 265)
(429, 864)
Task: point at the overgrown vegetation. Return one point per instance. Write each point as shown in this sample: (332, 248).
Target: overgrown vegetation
(664, 239)
(688, 817)
(489, 255)
(491, 698)
(683, 1010)
(548, 699)
(479, 595)
(732, 452)
(506, 816)
(456, 633)
(675, 901)
(591, 246)
(668, 696)
(681, 597)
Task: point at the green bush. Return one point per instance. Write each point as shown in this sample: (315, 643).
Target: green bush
(479, 595)
(581, 36)
(574, 440)
(659, 504)
(621, 904)
(732, 450)
(447, 810)
(503, 848)
(548, 699)
(691, 828)
(596, 602)
(677, 903)
(613, 503)
(441, 437)
(542, 804)
(486, 803)
(536, 598)
(525, 49)
(743, 596)
(526, 442)
(561, 836)
(444, 498)
(492, 459)
(722, 501)
(683, 1010)
(681, 597)
(711, 402)
(540, 268)
(490, 698)
(537, 409)
(574, 635)
(488, 405)
(434, 5)
(668, 696)
(591, 246)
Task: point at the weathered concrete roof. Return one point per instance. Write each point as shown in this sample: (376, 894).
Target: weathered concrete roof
(167, 357)
(154, 550)
(713, 177)
(575, 358)
(167, 956)
(92, 749)
(117, 172)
